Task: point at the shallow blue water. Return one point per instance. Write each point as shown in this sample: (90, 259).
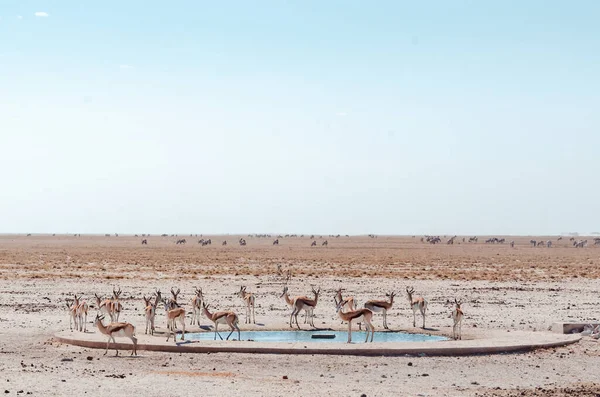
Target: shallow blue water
(306, 336)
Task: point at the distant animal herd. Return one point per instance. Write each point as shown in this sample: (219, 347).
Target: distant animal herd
(577, 243)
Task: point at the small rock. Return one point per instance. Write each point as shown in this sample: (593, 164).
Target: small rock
(363, 395)
(66, 359)
(384, 376)
(285, 377)
(475, 383)
(425, 375)
(90, 358)
(410, 364)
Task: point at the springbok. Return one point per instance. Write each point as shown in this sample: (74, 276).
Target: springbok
(314, 244)
(302, 304)
(416, 303)
(197, 306)
(174, 315)
(173, 301)
(227, 317)
(116, 329)
(349, 299)
(105, 306)
(381, 306)
(360, 315)
(72, 313)
(307, 310)
(150, 311)
(457, 316)
(117, 306)
(248, 299)
(82, 312)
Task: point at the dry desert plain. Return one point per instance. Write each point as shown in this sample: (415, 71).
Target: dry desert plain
(504, 288)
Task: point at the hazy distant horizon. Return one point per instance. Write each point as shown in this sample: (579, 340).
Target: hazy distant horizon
(392, 118)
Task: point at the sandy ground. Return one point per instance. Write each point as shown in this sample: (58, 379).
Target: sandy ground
(509, 289)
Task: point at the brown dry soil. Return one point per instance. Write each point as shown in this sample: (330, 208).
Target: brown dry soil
(521, 288)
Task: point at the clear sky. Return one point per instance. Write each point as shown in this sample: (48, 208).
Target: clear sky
(351, 117)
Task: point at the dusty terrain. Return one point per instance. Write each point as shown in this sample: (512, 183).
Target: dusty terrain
(521, 288)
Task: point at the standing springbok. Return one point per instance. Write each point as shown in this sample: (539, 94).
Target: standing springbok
(381, 306)
(227, 317)
(105, 306)
(72, 313)
(457, 316)
(197, 306)
(82, 312)
(173, 315)
(360, 315)
(416, 303)
(303, 304)
(150, 311)
(248, 299)
(116, 329)
(307, 310)
(117, 306)
(349, 299)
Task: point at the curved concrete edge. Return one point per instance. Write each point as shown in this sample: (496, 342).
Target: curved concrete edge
(492, 348)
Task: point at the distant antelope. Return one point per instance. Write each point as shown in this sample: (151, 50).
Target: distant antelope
(144, 242)
(248, 299)
(276, 242)
(303, 304)
(314, 244)
(197, 305)
(360, 315)
(541, 243)
(226, 317)
(150, 312)
(224, 242)
(416, 303)
(457, 316)
(119, 330)
(512, 244)
(580, 243)
(324, 243)
(533, 243)
(549, 244)
(381, 306)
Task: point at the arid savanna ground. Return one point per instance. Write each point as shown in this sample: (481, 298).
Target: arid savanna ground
(520, 288)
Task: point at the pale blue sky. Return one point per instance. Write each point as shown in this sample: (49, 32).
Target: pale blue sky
(389, 117)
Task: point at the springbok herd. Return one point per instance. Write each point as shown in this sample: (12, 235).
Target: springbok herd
(176, 314)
